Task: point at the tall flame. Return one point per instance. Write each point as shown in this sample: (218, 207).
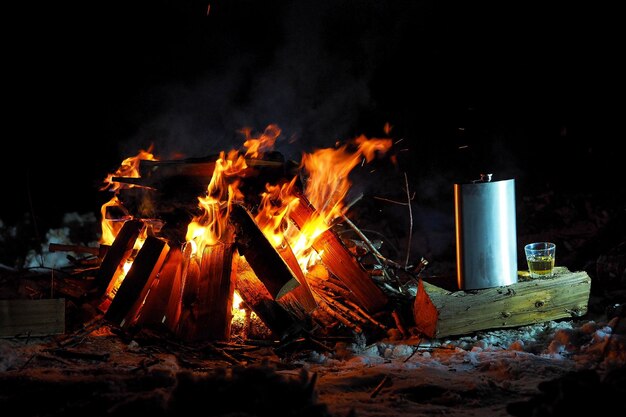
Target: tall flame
(326, 187)
(276, 203)
(328, 170)
(207, 228)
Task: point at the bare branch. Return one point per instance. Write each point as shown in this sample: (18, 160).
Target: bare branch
(408, 245)
(400, 203)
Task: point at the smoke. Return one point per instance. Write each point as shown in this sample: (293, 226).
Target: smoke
(305, 66)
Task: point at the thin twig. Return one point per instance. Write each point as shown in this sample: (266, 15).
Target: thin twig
(335, 314)
(417, 347)
(225, 355)
(364, 314)
(366, 241)
(378, 256)
(26, 363)
(32, 213)
(399, 325)
(7, 268)
(400, 203)
(380, 386)
(353, 202)
(408, 245)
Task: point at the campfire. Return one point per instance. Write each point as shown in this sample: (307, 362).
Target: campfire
(191, 242)
(247, 245)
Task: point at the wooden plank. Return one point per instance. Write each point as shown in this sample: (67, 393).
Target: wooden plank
(528, 301)
(32, 317)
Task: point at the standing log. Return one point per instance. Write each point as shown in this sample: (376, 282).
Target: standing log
(266, 262)
(175, 301)
(186, 322)
(132, 293)
(154, 309)
(215, 293)
(116, 256)
(526, 302)
(340, 261)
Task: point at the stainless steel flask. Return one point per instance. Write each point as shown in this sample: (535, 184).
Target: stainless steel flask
(486, 237)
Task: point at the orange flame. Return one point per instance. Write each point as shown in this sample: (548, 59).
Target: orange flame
(256, 146)
(326, 187)
(208, 227)
(276, 202)
(328, 171)
(128, 169)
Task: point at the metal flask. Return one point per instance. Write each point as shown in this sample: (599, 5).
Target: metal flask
(486, 239)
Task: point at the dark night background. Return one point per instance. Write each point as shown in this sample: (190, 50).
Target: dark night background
(523, 89)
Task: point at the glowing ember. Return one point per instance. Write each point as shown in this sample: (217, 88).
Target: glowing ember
(115, 284)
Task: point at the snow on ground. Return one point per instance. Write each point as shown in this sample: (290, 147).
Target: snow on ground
(477, 375)
(470, 376)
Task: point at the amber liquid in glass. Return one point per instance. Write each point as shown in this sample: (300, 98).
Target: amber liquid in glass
(541, 266)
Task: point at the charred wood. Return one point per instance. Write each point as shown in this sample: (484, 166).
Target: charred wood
(133, 290)
(118, 253)
(266, 262)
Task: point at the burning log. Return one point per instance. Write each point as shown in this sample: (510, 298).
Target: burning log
(256, 296)
(215, 293)
(302, 292)
(185, 324)
(175, 302)
(154, 310)
(266, 262)
(130, 296)
(118, 253)
(340, 262)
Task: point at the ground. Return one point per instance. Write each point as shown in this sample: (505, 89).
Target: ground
(549, 369)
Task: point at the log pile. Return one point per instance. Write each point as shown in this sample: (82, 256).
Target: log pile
(191, 295)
